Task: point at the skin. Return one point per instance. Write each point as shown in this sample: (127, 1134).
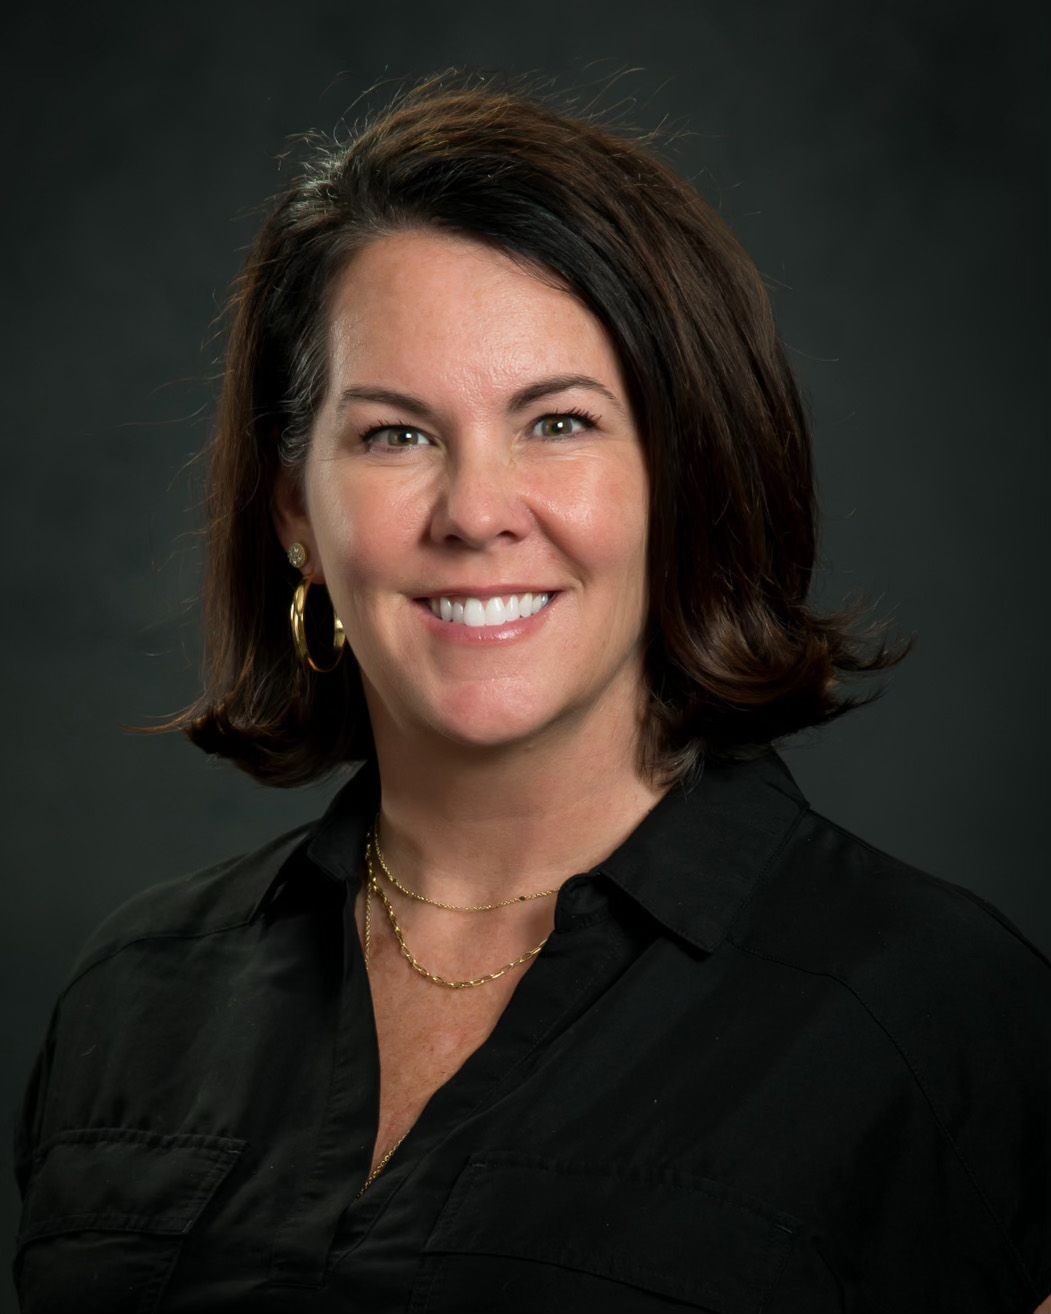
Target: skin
(504, 769)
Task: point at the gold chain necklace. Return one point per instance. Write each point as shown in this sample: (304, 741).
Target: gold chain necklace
(373, 887)
(435, 903)
(380, 1166)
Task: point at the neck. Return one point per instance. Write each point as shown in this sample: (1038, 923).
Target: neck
(467, 825)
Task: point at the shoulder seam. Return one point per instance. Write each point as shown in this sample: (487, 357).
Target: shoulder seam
(976, 1185)
(864, 843)
(143, 939)
(994, 914)
(976, 900)
(769, 870)
(291, 841)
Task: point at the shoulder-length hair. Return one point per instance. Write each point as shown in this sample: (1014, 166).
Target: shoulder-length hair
(735, 658)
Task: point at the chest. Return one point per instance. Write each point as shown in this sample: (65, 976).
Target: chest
(425, 1033)
(629, 1080)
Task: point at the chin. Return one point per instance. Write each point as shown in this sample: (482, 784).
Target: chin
(497, 724)
(494, 736)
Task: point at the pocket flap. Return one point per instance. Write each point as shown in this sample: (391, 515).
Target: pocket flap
(674, 1233)
(123, 1179)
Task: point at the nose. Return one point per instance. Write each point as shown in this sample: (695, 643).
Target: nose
(480, 497)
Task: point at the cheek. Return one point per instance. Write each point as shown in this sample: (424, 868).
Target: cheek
(344, 518)
(608, 519)
(596, 512)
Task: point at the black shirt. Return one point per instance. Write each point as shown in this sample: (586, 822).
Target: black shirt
(758, 1066)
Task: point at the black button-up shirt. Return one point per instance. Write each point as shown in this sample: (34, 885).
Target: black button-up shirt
(758, 1066)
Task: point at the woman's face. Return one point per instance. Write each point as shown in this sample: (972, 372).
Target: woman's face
(475, 480)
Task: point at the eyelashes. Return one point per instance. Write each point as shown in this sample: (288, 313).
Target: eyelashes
(573, 413)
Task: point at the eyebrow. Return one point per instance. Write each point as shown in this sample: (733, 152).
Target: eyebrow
(519, 400)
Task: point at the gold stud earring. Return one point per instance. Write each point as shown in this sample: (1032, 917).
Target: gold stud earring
(299, 630)
(298, 556)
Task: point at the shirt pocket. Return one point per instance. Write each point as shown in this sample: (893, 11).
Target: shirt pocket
(520, 1234)
(105, 1213)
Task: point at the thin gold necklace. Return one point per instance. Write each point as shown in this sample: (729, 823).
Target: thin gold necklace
(373, 887)
(435, 903)
(380, 1166)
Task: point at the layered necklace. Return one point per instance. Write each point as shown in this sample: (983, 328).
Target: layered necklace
(373, 886)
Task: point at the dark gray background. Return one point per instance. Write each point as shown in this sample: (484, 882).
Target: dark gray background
(885, 163)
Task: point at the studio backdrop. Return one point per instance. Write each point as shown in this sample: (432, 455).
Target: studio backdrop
(885, 165)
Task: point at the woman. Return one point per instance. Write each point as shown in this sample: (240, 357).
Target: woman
(570, 1001)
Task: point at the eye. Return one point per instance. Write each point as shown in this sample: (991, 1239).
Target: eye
(399, 431)
(559, 424)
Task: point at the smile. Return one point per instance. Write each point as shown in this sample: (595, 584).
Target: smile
(492, 611)
(496, 620)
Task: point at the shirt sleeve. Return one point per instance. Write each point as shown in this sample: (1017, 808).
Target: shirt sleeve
(29, 1117)
(978, 1039)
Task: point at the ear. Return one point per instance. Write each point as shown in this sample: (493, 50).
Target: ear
(291, 521)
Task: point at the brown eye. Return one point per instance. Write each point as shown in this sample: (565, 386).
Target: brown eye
(398, 433)
(561, 425)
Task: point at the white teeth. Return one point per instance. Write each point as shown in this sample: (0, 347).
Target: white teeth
(494, 611)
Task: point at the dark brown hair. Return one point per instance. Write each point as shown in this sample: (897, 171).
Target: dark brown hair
(735, 659)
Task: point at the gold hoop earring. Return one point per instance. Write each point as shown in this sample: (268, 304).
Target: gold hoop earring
(299, 630)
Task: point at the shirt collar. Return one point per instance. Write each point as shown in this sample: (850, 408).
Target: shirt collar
(331, 847)
(691, 863)
(339, 842)
(695, 859)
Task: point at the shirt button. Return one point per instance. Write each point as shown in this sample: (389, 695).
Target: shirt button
(577, 899)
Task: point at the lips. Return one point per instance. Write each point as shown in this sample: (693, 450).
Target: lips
(494, 591)
(474, 626)
(494, 611)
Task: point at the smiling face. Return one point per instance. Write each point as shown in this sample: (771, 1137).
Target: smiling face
(444, 462)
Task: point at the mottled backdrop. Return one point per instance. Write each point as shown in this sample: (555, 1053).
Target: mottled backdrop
(886, 165)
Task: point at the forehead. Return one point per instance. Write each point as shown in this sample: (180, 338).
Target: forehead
(458, 313)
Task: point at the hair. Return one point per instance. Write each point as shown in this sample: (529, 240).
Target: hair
(734, 657)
